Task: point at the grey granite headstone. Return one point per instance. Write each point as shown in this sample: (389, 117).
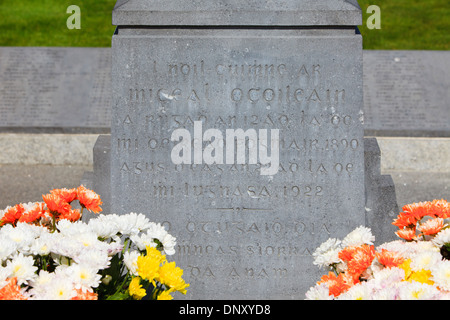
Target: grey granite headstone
(288, 74)
(55, 89)
(406, 93)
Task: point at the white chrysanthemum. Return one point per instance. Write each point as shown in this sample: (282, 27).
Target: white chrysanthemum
(169, 242)
(424, 260)
(327, 253)
(7, 248)
(360, 291)
(130, 260)
(94, 258)
(319, 292)
(41, 246)
(67, 227)
(23, 268)
(442, 238)
(440, 274)
(19, 235)
(63, 247)
(386, 293)
(142, 241)
(417, 291)
(359, 236)
(5, 274)
(132, 223)
(105, 226)
(402, 247)
(387, 276)
(84, 277)
(59, 288)
(156, 230)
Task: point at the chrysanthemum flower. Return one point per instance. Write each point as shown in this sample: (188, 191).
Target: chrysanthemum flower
(71, 215)
(361, 259)
(360, 291)
(22, 267)
(389, 259)
(12, 214)
(33, 212)
(431, 226)
(405, 220)
(55, 204)
(319, 292)
(441, 274)
(89, 199)
(442, 238)
(135, 289)
(336, 284)
(12, 291)
(327, 253)
(171, 276)
(407, 234)
(440, 208)
(85, 295)
(417, 210)
(165, 295)
(417, 291)
(359, 236)
(149, 265)
(67, 195)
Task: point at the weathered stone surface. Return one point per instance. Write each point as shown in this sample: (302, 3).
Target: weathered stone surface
(55, 89)
(237, 13)
(406, 93)
(242, 234)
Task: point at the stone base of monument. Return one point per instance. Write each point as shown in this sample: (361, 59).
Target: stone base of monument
(381, 204)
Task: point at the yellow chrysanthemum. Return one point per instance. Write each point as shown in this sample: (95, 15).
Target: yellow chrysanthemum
(135, 289)
(165, 295)
(406, 266)
(422, 276)
(171, 276)
(148, 266)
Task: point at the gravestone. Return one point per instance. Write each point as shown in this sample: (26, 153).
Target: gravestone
(239, 127)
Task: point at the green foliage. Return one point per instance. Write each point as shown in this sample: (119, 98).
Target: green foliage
(405, 24)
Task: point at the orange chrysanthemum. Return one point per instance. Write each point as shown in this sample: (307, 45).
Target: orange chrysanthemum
(33, 214)
(389, 259)
(72, 215)
(89, 199)
(361, 260)
(12, 214)
(11, 291)
(67, 195)
(405, 220)
(338, 284)
(417, 210)
(85, 295)
(440, 209)
(56, 204)
(407, 234)
(432, 226)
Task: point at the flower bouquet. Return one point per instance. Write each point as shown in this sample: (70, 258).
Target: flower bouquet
(48, 252)
(415, 267)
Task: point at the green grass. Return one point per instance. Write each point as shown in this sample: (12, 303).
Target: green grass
(405, 24)
(408, 25)
(43, 23)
